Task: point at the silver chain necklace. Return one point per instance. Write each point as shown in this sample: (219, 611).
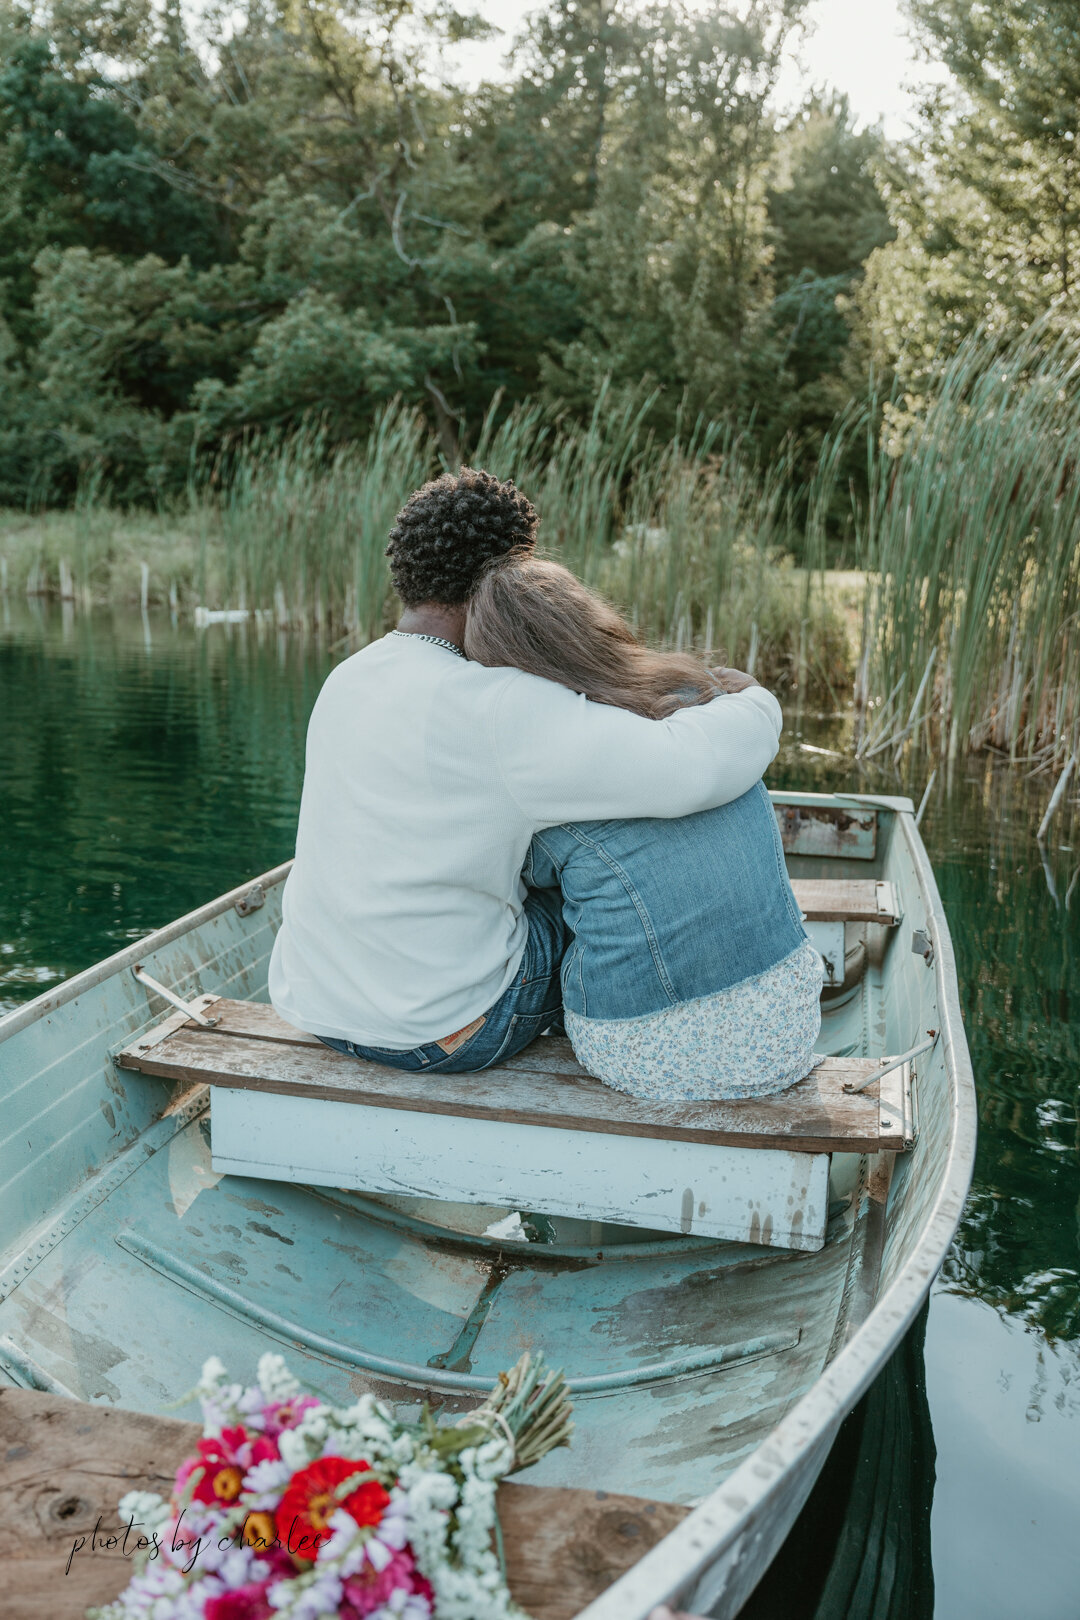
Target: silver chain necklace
(436, 641)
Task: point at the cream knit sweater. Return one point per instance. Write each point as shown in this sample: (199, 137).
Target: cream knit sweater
(426, 777)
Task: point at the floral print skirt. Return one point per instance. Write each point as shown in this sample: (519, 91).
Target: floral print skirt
(751, 1039)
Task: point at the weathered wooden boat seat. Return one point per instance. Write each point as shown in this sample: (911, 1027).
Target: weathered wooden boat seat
(828, 904)
(847, 900)
(536, 1133)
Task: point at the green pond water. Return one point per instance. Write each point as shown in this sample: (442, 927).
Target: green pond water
(145, 768)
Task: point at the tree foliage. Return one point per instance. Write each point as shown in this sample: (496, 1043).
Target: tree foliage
(986, 203)
(301, 213)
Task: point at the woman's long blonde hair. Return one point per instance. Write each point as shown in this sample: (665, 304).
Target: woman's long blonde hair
(534, 615)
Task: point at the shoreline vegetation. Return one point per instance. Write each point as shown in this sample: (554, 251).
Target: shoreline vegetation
(955, 632)
(788, 391)
(691, 538)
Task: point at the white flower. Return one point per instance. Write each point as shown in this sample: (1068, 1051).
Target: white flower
(219, 1405)
(403, 1605)
(436, 1488)
(345, 1549)
(308, 1597)
(379, 1554)
(371, 1420)
(476, 1519)
(393, 1528)
(155, 1592)
(470, 1594)
(275, 1380)
(250, 1404)
(232, 1564)
(295, 1452)
(266, 1480)
(364, 1410)
(145, 1509)
(401, 1450)
(494, 1457)
(349, 1443)
(213, 1371)
(314, 1426)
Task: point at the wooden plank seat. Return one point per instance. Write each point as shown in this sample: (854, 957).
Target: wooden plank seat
(847, 900)
(828, 904)
(535, 1133)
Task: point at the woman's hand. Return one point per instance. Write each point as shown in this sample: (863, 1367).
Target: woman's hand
(732, 680)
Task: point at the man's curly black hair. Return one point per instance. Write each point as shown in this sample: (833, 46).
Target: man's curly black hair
(450, 530)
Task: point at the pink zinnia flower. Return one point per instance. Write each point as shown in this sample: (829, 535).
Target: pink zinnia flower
(281, 1415)
(224, 1460)
(369, 1589)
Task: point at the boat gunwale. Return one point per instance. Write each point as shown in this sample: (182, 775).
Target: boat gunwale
(672, 1570)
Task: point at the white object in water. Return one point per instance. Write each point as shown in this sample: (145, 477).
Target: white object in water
(205, 616)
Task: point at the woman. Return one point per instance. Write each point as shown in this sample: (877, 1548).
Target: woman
(689, 974)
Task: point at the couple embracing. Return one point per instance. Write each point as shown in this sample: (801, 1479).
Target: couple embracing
(516, 818)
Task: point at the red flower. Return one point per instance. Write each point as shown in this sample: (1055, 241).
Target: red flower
(309, 1503)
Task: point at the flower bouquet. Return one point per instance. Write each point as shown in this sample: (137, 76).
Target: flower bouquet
(292, 1509)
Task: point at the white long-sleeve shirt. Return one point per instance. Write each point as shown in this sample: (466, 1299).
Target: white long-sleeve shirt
(427, 776)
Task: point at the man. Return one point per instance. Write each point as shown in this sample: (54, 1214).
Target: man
(408, 935)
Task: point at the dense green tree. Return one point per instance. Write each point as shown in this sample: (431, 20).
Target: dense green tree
(825, 208)
(74, 171)
(672, 260)
(826, 215)
(986, 204)
(297, 215)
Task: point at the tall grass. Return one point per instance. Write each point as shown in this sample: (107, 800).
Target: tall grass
(303, 527)
(972, 541)
(691, 537)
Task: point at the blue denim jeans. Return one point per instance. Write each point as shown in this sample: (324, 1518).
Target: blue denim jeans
(531, 1004)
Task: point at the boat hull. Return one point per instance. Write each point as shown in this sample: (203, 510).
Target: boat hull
(129, 1261)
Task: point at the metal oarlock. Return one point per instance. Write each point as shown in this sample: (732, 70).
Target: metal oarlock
(143, 977)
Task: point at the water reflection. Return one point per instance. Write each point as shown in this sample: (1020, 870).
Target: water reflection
(1017, 943)
(1003, 1367)
(1018, 953)
(143, 770)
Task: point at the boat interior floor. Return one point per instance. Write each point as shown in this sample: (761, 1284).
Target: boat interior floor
(683, 1352)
